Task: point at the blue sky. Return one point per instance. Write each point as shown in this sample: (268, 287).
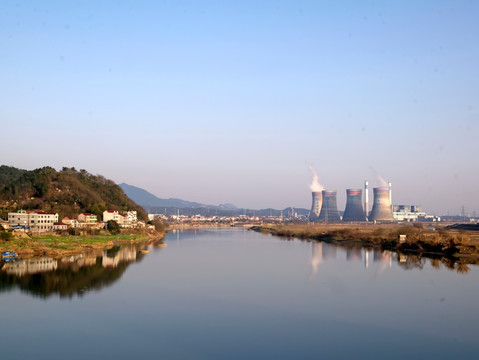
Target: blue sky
(227, 101)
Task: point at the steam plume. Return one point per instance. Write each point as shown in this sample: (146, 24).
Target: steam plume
(379, 178)
(315, 185)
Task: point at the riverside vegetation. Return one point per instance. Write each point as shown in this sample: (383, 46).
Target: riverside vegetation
(451, 243)
(75, 241)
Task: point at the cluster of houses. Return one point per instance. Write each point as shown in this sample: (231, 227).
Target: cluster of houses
(41, 221)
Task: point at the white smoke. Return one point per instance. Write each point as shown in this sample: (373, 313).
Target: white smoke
(315, 185)
(379, 178)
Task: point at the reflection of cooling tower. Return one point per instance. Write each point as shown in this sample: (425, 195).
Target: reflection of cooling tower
(316, 206)
(354, 254)
(354, 208)
(329, 208)
(381, 210)
(328, 251)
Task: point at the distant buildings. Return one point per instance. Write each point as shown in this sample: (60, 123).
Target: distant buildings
(412, 213)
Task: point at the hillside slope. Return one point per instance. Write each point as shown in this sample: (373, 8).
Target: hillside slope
(67, 192)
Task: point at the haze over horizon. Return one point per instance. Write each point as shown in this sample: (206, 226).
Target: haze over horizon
(231, 102)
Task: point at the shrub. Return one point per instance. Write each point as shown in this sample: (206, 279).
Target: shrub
(159, 225)
(113, 227)
(5, 236)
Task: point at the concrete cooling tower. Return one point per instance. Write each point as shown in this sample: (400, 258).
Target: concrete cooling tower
(329, 209)
(316, 206)
(354, 207)
(381, 210)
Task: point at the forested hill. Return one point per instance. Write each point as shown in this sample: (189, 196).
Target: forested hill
(67, 192)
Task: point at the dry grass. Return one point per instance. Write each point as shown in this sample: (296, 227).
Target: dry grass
(419, 238)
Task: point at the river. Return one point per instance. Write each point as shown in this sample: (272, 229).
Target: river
(231, 293)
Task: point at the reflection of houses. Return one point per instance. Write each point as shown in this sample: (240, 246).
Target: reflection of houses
(35, 220)
(124, 254)
(31, 266)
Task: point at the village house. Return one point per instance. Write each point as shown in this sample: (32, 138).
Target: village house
(60, 226)
(87, 218)
(126, 219)
(70, 222)
(39, 221)
(112, 215)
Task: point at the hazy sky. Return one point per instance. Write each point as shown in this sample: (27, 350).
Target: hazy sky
(230, 101)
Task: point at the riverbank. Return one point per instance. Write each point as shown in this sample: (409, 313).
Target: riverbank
(58, 246)
(451, 243)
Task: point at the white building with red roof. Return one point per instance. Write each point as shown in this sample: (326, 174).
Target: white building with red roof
(34, 220)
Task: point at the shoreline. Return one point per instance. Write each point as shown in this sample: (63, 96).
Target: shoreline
(453, 245)
(59, 246)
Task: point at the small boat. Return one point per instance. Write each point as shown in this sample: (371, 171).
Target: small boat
(8, 254)
(145, 251)
(162, 245)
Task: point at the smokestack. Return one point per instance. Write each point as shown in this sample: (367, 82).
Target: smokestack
(366, 198)
(381, 210)
(316, 205)
(329, 208)
(354, 207)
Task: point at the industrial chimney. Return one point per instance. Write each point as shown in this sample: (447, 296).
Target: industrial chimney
(354, 207)
(316, 206)
(329, 209)
(381, 210)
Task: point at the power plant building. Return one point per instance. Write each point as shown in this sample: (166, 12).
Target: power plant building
(316, 205)
(329, 208)
(382, 210)
(354, 207)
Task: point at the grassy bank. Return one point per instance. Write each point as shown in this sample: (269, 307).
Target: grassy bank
(58, 246)
(441, 241)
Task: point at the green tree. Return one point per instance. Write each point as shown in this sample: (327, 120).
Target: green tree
(5, 236)
(113, 227)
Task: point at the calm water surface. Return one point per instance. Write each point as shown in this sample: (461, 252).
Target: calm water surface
(236, 294)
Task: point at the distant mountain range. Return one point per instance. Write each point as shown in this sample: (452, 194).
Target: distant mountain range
(141, 196)
(171, 206)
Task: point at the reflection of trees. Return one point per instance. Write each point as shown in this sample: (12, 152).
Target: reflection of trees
(68, 279)
(409, 262)
(462, 268)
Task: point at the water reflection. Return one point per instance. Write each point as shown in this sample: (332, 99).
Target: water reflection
(322, 251)
(69, 276)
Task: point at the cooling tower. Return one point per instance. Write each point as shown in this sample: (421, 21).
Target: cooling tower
(354, 207)
(329, 208)
(316, 206)
(366, 198)
(381, 210)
